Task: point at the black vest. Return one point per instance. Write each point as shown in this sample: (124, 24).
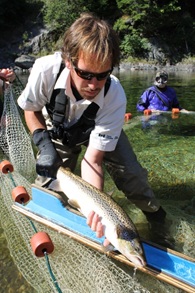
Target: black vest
(78, 133)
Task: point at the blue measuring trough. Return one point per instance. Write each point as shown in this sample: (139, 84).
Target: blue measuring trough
(51, 208)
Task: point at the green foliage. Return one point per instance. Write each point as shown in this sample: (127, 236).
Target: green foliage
(169, 21)
(59, 14)
(138, 22)
(120, 24)
(134, 45)
(189, 60)
(150, 17)
(25, 36)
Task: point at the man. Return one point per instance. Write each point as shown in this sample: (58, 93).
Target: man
(90, 51)
(159, 97)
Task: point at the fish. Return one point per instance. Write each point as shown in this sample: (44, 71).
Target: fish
(118, 227)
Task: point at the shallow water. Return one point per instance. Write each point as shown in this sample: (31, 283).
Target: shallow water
(165, 146)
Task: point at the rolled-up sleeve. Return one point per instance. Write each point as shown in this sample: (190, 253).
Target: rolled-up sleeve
(40, 84)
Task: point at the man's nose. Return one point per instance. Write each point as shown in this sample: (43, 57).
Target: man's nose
(93, 83)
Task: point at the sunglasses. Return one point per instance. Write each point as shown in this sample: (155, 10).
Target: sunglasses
(89, 75)
(162, 77)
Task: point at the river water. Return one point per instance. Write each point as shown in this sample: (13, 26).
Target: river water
(164, 145)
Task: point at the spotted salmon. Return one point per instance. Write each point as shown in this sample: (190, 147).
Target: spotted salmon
(118, 227)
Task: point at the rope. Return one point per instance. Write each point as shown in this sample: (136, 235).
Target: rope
(11, 178)
(51, 273)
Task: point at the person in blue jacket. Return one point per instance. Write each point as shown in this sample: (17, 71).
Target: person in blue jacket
(159, 97)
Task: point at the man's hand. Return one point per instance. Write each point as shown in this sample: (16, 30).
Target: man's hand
(7, 75)
(94, 221)
(48, 159)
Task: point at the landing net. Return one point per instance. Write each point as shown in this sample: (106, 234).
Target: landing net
(14, 140)
(77, 268)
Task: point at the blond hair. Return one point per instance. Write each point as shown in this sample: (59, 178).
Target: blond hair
(93, 38)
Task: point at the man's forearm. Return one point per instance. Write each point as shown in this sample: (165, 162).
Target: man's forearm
(34, 120)
(92, 173)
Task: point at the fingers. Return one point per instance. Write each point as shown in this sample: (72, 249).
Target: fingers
(10, 76)
(7, 74)
(99, 230)
(2, 76)
(90, 218)
(94, 221)
(106, 242)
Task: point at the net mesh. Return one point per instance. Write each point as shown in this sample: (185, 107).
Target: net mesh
(76, 267)
(17, 149)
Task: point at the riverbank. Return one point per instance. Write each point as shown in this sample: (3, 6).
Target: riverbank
(188, 67)
(12, 56)
(24, 62)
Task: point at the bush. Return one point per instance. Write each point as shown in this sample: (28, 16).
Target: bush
(134, 45)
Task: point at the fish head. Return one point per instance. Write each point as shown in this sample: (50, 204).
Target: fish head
(130, 246)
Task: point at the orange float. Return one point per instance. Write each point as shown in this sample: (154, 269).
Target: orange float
(147, 112)
(128, 116)
(6, 167)
(175, 110)
(174, 116)
(41, 243)
(20, 195)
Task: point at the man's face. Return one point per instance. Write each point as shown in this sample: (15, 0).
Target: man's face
(88, 89)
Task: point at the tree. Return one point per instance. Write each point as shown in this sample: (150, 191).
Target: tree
(61, 14)
(163, 20)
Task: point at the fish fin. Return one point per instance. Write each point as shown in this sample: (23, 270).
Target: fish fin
(110, 193)
(108, 248)
(75, 211)
(74, 204)
(63, 202)
(55, 185)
